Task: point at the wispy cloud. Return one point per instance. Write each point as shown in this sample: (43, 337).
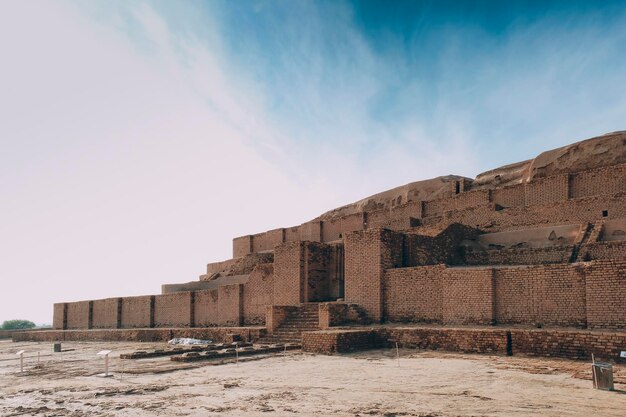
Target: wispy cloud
(139, 138)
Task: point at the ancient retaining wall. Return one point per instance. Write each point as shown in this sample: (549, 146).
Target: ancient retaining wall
(577, 197)
(228, 305)
(520, 256)
(368, 254)
(258, 293)
(590, 294)
(571, 344)
(307, 272)
(218, 334)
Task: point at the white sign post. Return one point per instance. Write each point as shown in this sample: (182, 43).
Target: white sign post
(21, 355)
(105, 353)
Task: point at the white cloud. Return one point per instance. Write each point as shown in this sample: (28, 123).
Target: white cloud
(122, 169)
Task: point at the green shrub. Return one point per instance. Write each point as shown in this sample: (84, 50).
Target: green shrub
(17, 324)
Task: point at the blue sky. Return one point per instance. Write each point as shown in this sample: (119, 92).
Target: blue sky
(137, 138)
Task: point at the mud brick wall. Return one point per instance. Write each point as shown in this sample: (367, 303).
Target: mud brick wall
(404, 216)
(247, 263)
(268, 240)
(174, 310)
(551, 295)
(468, 296)
(610, 180)
(352, 223)
(367, 254)
(230, 305)
(331, 314)
(414, 294)
(612, 230)
(336, 271)
(455, 340)
(137, 312)
(480, 217)
(513, 196)
(329, 341)
(206, 308)
(217, 334)
(377, 219)
(519, 256)
(258, 293)
(588, 209)
(106, 313)
(331, 230)
(577, 295)
(317, 267)
(304, 272)
(435, 207)
(276, 315)
(603, 250)
(568, 344)
(571, 344)
(547, 190)
(58, 316)
(288, 273)
(336, 228)
(78, 315)
(311, 231)
(219, 266)
(292, 234)
(606, 295)
(472, 199)
(242, 246)
(338, 314)
(473, 207)
(443, 248)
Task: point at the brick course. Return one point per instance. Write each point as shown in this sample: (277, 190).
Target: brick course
(173, 310)
(414, 294)
(606, 295)
(58, 316)
(137, 312)
(563, 343)
(229, 305)
(78, 315)
(206, 308)
(106, 313)
(258, 293)
(367, 254)
(468, 296)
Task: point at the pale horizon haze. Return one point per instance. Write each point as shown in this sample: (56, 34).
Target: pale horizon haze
(138, 138)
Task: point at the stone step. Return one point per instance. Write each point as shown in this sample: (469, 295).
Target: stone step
(301, 321)
(298, 328)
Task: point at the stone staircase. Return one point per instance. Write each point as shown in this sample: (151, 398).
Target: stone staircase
(305, 318)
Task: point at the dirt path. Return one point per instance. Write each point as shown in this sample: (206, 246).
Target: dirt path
(366, 384)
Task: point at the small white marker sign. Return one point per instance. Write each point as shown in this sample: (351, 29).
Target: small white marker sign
(105, 353)
(21, 355)
(623, 354)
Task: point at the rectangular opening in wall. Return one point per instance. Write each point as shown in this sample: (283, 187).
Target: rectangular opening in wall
(457, 187)
(605, 213)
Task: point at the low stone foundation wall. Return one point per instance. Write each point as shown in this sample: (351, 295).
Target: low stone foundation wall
(339, 341)
(562, 343)
(574, 344)
(217, 334)
(486, 340)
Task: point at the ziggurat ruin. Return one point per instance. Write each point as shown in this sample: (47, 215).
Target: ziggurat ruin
(527, 258)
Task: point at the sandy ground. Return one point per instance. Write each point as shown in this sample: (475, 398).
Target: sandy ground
(374, 383)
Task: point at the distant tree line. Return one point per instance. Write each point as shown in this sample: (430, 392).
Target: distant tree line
(17, 324)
